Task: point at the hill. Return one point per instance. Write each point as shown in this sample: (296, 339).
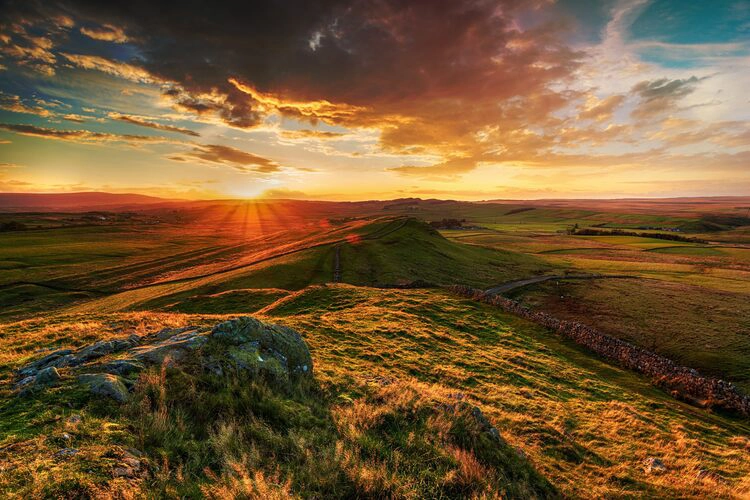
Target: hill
(394, 369)
(83, 201)
(383, 252)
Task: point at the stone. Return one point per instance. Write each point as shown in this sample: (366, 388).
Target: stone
(66, 452)
(106, 385)
(47, 377)
(654, 466)
(123, 367)
(75, 419)
(33, 368)
(25, 382)
(97, 350)
(174, 348)
(260, 347)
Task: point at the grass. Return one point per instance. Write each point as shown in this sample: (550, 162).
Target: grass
(384, 420)
(397, 371)
(700, 328)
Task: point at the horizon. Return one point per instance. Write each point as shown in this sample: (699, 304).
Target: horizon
(347, 101)
(364, 200)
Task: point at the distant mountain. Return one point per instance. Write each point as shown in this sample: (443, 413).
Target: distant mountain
(74, 201)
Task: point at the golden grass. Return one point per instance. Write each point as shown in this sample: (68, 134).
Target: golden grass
(586, 426)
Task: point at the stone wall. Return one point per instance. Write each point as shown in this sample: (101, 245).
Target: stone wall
(682, 382)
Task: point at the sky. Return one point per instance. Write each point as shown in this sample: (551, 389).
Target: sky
(377, 99)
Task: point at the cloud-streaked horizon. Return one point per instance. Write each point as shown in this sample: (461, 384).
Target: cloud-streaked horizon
(360, 99)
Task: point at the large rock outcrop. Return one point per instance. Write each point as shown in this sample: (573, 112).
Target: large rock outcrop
(109, 368)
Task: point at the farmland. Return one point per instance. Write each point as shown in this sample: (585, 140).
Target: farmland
(391, 348)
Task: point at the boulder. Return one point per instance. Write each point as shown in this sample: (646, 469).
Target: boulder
(259, 347)
(174, 348)
(240, 345)
(48, 360)
(122, 367)
(106, 385)
(47, 377)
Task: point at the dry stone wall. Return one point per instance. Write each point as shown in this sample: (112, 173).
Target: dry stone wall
(682, 382)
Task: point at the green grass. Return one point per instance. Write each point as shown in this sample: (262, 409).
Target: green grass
(383, 419)
(700, 328)
(689, 250)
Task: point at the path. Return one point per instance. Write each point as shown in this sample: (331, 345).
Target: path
(337, 264)
(512, 285)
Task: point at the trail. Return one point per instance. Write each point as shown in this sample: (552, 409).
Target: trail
(337, 265)
(512, 285)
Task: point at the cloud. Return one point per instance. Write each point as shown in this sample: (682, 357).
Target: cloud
(107, 33)
(15, 104)
(227, 155)
(601, 110)
(85, 136)
(658, 97)
(116, 68)
(143, 122)
(430, 79)
(310, 134)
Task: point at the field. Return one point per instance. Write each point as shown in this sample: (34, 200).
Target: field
(399, 361)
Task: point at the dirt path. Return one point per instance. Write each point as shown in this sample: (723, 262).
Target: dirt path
(337, 264)
(512, 285)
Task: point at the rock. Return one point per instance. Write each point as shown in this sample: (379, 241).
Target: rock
(104, 384)
(63, 361)
(33, 368)
(97, 350)
(485, 424)
(244, 344)
(75, 419)
(25, 383)
(66, 452)
(174, 348)
(122, 367)
(654, 466)
(47, 377)
(259, 347)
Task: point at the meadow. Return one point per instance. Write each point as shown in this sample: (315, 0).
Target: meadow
(400, 363)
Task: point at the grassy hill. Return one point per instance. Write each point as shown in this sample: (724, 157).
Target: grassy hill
(390, 366)
(386, 251)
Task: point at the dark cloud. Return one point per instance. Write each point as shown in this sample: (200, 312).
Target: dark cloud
(227, 155)
(658, 97)
(431, 74)
(76, 135)
(143, 122)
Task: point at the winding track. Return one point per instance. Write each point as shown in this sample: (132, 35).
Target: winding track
(512, 285)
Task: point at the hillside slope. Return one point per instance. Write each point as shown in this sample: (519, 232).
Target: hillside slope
(388, 363)
(386, 251)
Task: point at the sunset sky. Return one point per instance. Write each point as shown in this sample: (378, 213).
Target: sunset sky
(377, 99)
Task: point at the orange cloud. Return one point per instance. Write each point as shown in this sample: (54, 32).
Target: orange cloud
(107, 33)
(77, 135)
(143, 122)
(227, 155)
(116, 68)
